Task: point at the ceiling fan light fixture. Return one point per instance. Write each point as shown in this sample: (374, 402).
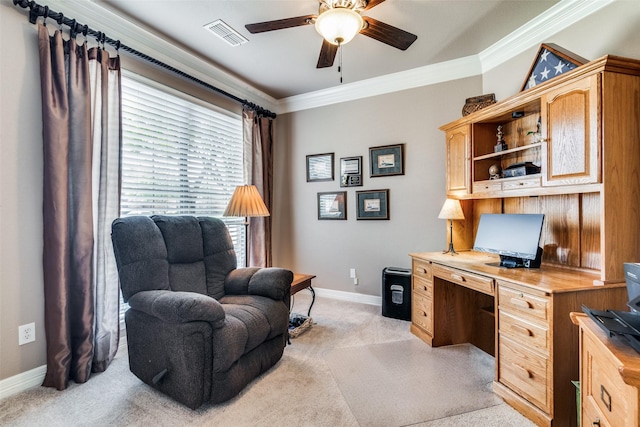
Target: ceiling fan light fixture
(339, 25)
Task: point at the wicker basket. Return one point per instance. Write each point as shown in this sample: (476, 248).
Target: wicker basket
(299, 323)
(478, 103)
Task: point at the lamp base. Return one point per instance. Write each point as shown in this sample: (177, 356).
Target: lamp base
(450, 250)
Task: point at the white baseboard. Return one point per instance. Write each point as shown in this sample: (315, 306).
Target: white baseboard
(22, 382)
(348, 296)
(33, 378)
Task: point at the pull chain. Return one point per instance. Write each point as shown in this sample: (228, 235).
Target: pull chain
(340, 60)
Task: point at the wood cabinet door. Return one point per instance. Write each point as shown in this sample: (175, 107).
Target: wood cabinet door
(458, 160)
(570, 123)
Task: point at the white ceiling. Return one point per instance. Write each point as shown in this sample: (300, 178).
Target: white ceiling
(282, 63)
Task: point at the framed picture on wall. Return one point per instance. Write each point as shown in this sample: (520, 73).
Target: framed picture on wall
(387, 160)
(372, 204)
(332, 205)
(320, 167)
(351, 171)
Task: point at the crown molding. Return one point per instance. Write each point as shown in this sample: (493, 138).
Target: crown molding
(548, 23)
(422, 76)
(137, 36)
(140, 38)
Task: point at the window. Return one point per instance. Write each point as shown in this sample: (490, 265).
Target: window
(179, 155)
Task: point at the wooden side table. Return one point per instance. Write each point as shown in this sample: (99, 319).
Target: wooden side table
(303, 281)
(609, 377)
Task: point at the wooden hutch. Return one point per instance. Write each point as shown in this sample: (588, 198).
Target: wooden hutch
(588, 187)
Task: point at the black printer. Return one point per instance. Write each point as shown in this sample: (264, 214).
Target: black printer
(623, 323)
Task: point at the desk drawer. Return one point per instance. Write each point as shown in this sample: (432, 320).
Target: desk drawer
(603, 386)
(590, 415)
(423, 270)
(422, 312)
(487, 187)
(521, 183)
(522, 303)
(468, 280)
(525, 372)
(422, 287)
(527, 333)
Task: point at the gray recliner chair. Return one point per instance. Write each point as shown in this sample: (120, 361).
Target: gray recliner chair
(198, 328)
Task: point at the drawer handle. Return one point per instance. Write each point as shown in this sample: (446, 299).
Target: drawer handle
(521, 303)
(458, 277)
(424, 288)
(423, 313)
(604, 393)
(422, 270)
(596, 422)
(524, 371)
(522, 330)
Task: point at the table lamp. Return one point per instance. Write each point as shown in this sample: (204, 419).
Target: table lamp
(246, 202)
(451, 210)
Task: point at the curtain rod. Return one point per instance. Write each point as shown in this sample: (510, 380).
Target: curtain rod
(36, 10)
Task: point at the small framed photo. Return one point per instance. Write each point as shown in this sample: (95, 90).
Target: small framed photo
(332, 205)
(320, 167)
(351, 171)
(387, 160)
(373, 204)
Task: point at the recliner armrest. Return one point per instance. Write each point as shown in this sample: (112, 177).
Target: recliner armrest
(272, 282)
(179, 307)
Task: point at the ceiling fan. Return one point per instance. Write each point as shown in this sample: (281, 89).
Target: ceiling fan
(338, 21)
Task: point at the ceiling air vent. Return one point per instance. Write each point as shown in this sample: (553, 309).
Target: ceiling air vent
(226, 33)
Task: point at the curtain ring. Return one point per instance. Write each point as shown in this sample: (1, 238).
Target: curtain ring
(85, 30)
(118, 47)
(45, 15)
(72, 32)
(60, 20)
(98, 38)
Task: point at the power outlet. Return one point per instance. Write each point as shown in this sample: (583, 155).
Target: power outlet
(26, 333)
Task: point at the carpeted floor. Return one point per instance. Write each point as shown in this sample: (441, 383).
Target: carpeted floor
(407, 382)
(306, 388)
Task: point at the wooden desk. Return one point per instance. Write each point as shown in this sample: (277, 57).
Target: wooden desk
(303, 281)
(521, 316)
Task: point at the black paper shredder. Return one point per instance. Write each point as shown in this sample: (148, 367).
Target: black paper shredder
(396, 293)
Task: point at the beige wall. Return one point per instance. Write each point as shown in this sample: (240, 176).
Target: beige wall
(325, 248)
(21, 295)
(329, 249)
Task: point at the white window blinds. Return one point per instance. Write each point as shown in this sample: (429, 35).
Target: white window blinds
(179, 156)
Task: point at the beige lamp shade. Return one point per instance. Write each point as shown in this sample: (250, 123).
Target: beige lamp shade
(451, 210)
(246, 201)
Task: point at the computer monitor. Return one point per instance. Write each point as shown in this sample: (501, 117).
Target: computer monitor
(515, 237)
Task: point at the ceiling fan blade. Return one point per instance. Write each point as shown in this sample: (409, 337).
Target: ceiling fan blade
(388, 34)
(372, 3)
(279, 24)
(327, 54)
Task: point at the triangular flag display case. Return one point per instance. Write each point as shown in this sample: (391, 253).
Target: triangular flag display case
(551, 61)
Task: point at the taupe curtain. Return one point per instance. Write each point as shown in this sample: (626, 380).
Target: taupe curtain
(81, 139)
(258, 134)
